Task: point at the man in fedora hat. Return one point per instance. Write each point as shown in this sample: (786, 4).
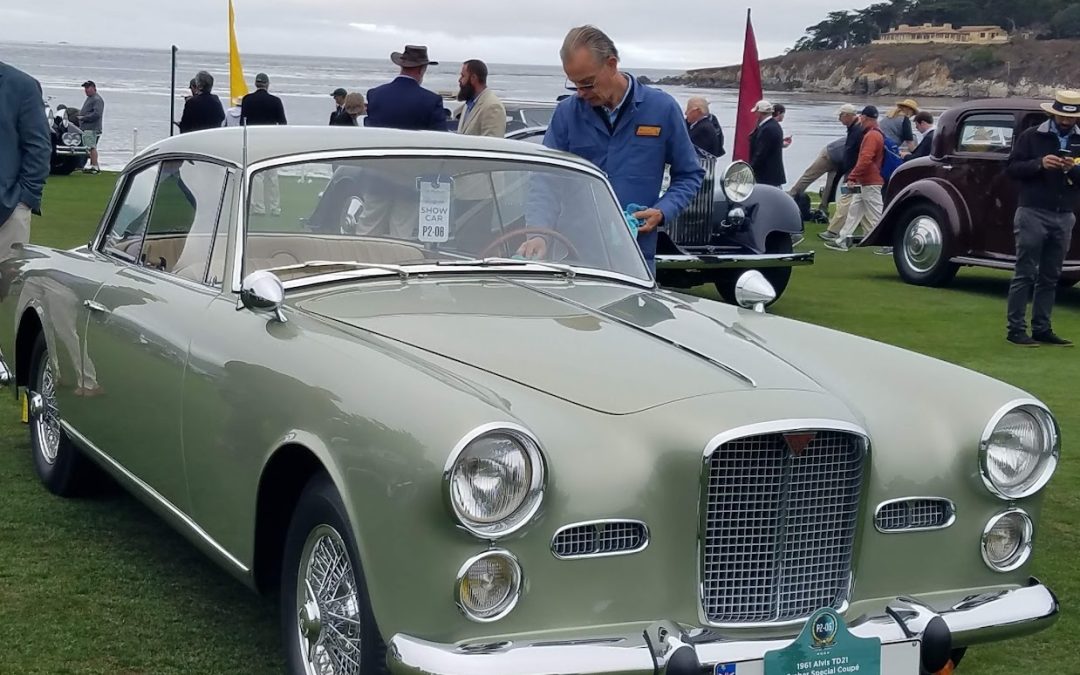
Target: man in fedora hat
(403, 103)
(1044, 161)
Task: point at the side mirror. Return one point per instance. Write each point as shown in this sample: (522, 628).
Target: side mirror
(754, 290)
(263, 291)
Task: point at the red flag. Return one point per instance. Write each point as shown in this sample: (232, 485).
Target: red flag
(749, 94)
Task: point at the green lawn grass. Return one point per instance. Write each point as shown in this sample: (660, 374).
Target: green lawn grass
(102, 586)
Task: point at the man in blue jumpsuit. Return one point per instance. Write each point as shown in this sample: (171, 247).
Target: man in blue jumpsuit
(628, 130)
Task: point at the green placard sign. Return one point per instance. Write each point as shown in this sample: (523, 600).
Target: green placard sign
(826, 647)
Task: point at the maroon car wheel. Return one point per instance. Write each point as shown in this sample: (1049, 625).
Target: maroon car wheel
(921, 247)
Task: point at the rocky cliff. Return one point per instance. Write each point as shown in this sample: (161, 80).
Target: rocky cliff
(1023, 68)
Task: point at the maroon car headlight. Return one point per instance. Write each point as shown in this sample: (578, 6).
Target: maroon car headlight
(494, 480)
(1019, 450)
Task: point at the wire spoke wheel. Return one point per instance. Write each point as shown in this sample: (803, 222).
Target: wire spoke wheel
(329, 609)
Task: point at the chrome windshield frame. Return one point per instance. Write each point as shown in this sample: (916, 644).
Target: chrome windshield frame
(568, 162)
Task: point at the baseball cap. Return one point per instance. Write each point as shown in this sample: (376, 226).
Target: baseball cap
(340, 91)
(870, 111)
(88, 83)
(763, 107)
(262, 78)
(848, 109)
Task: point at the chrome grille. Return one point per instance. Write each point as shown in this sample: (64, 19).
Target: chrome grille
(693, 226)
(608, 537)
(779, 527)
(916, 513)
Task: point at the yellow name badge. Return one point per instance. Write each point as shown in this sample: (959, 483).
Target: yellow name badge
(644, 130)
(25, 407)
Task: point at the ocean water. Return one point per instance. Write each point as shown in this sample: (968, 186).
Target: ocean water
(135, 86)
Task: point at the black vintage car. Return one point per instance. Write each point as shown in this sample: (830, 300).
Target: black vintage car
(733, 225)
(68, 152)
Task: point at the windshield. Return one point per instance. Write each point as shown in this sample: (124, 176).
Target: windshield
(412, 211)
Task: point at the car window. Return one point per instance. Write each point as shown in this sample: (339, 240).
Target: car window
(537, 117)
(184, 219)
(987, 132)
(216, 272)
(124, 236)
(426, 210)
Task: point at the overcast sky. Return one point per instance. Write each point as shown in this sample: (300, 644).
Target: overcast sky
(649, 33)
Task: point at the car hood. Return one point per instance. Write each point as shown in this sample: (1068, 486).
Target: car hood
(606, 346)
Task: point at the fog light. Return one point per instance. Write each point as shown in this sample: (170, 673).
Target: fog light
(488, 586)
(1006, 540)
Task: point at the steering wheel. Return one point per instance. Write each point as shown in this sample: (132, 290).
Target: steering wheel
(502, 239)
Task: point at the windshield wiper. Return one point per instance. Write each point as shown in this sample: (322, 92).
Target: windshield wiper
(566, 270)
(400, 270)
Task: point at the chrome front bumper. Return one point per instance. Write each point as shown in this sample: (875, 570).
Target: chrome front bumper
(665, 648)
(67, 150)
(723, 261)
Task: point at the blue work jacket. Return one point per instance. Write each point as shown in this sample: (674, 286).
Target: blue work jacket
(649, 134)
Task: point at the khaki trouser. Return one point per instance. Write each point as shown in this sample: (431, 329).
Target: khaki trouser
(265, 194)
(15, 230)
(843, 205)
(822, 166)
(865, 210)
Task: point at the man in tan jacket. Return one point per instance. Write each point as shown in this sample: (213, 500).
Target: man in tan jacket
(483, 113)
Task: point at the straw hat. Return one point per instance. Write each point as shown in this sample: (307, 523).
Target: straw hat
(909, 103)
(1066, 104)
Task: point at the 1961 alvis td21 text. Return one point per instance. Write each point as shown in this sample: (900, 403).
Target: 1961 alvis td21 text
(451, 460)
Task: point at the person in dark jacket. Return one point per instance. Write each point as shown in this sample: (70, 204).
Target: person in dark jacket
(705, 133)
(767, 147)
(353, 107)
(849, 117)
(260, 107)
(203, 110)
(403, 103)
(1044, 162)
(339, 95)
(924, 122)
(25, 149)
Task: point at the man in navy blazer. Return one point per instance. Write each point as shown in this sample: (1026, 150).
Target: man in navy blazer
(25, 149)
(403, 103)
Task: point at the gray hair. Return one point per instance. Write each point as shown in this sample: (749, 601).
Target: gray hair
(592, 38)
(698, 103)
(204, 81)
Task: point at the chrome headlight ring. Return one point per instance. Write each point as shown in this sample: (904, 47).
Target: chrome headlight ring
(476, 474)
(507, 568)
(738, 182)
(1021, 551)
(1007, 426)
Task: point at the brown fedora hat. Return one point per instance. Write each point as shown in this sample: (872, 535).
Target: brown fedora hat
(414, 56)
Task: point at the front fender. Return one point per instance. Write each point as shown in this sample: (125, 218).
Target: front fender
(769, 209)
(938, 192)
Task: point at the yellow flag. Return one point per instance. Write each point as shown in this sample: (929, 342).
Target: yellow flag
(237, 86)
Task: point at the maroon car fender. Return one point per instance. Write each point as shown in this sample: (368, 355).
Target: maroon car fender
(934, 190)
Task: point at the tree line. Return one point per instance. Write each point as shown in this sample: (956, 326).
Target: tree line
(852, 28)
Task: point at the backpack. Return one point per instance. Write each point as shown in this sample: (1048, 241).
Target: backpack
(892, 159)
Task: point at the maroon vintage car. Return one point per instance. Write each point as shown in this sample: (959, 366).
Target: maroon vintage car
(956, 207)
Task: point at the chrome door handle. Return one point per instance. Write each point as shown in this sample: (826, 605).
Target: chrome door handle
(946, 167)
(95, 306)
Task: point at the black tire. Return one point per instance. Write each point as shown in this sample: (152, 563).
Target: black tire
(921, 246)
(319, 516)
(60, 466)
(779, 277)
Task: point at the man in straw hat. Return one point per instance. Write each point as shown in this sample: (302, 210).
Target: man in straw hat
(403, 103)
(1044, 161)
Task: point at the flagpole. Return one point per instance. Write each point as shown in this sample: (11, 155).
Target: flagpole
(172, 93)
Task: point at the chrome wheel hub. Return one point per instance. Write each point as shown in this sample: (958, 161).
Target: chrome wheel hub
(923, 244)
(328, 618)
(46, 414)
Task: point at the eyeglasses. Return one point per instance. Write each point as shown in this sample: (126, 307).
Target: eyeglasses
(573, 86)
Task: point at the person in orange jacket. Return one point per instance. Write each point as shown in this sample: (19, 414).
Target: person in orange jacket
(864, 182)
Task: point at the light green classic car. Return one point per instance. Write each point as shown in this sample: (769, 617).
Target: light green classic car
(319, 354)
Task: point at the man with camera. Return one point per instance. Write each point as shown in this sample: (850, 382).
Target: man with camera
(1044, 161)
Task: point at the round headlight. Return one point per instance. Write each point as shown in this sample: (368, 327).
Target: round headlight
(739, 182)
(71, 138)
(495, 480)
(488, 586)
(1019, 451)
(1006, 541)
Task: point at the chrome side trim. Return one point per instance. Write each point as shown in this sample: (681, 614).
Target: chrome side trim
(1053, 433)
(535, 497)
(515, 591)
(730, 370)
(758, 429)
(85, 443)
(950, 506)
(1022, 554)
(647, 537)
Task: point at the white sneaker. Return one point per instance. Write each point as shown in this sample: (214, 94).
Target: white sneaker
(838, 245)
